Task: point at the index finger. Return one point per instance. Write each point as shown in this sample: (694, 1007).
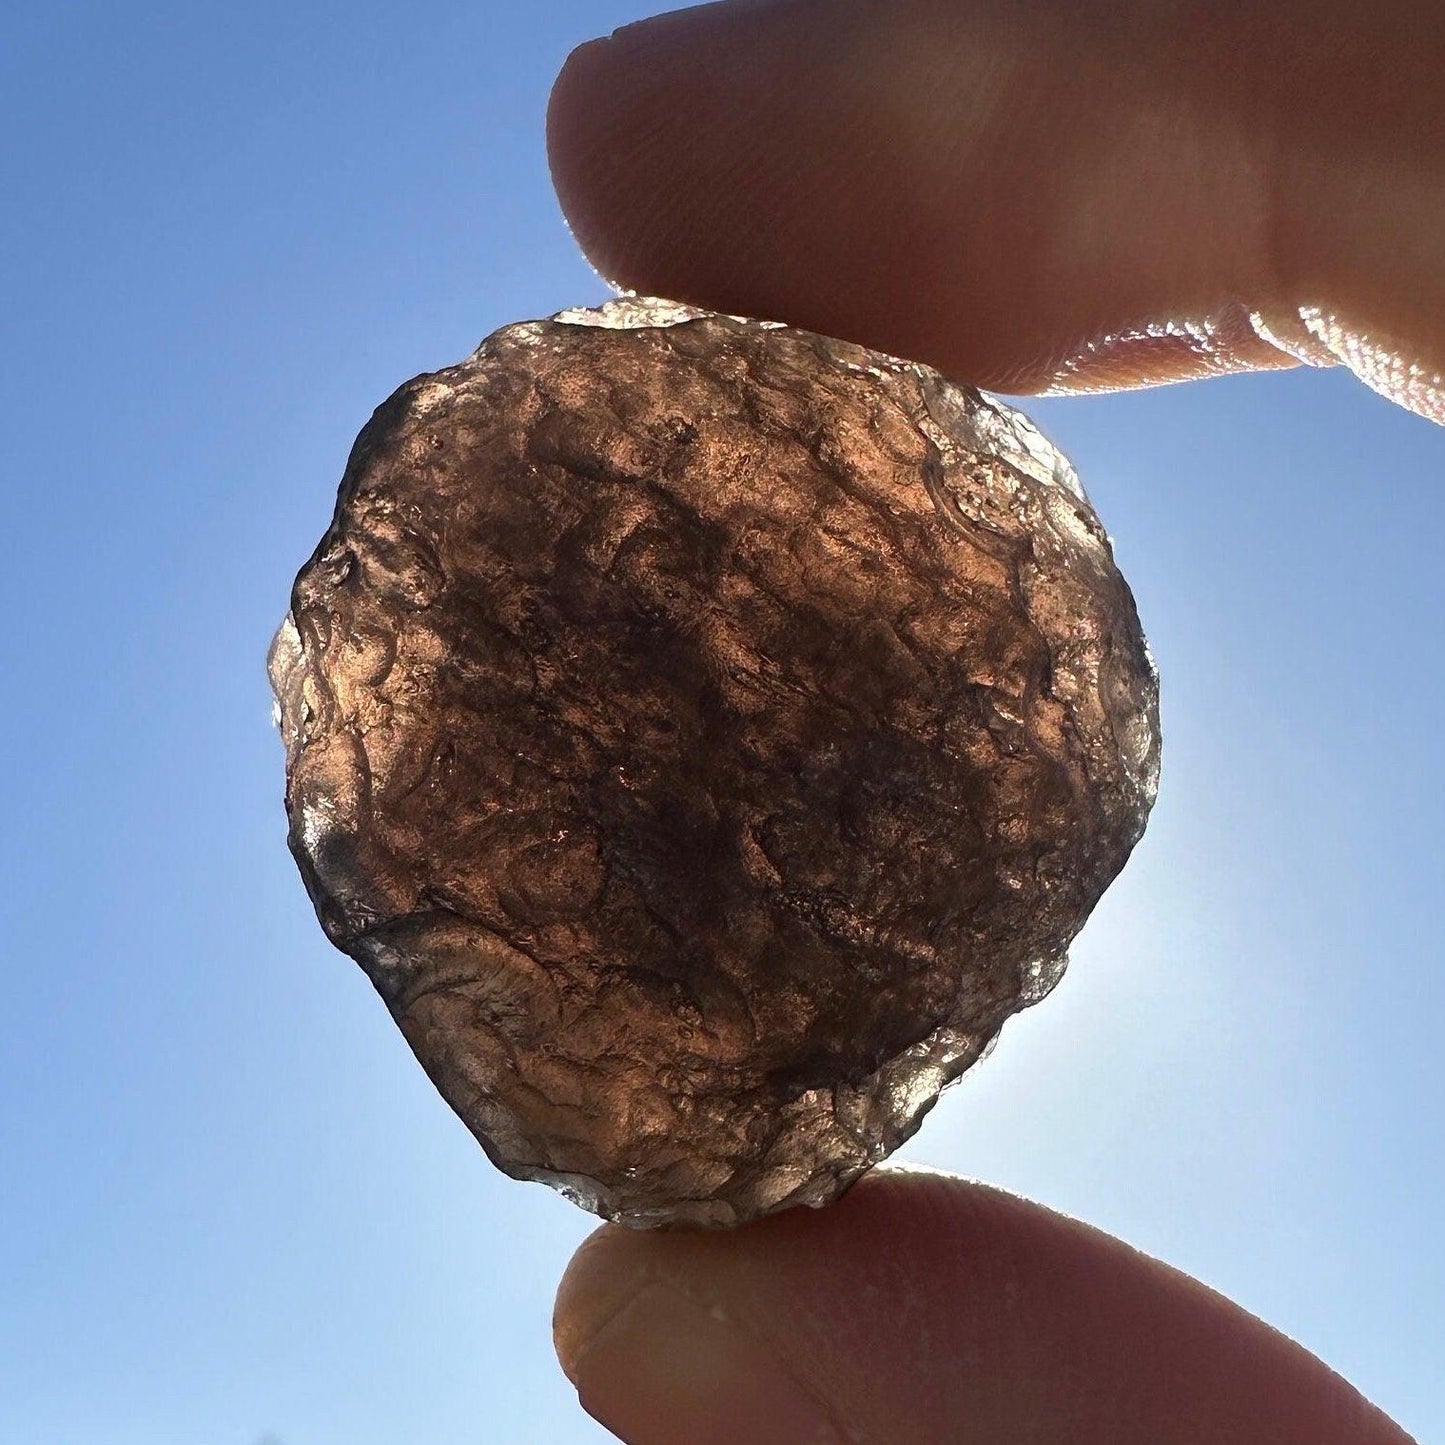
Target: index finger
(1031, 195)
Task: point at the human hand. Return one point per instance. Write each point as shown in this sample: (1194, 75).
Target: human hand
(1031, 195)
(924, 1310)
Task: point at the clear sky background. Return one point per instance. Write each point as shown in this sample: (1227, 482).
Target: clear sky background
(232, 1209)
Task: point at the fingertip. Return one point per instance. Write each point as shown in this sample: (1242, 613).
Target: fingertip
(598, 149)
(567, 107)
(660, 1358)
(926, 1308)
(922, 181)
(1020, 195)
(768, 1333)
(584, 1295)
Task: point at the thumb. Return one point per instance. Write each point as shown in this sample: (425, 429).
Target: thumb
(924, 1309)
(1032, 194)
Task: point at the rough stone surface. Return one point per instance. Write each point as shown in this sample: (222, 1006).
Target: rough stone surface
(705, 734)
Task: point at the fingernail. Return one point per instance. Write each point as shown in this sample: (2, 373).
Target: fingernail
(663, 1369)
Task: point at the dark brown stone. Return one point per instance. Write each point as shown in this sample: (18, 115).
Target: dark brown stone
(705, 734)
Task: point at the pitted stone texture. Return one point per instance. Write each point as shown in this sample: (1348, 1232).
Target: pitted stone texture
(705, 734)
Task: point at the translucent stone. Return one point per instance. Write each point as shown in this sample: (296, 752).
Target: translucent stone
(706, 734)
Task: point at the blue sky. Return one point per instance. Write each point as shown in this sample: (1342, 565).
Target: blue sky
(232, 1210)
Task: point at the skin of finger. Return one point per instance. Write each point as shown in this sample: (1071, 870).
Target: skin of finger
(1028, 193)
(927, 1309)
